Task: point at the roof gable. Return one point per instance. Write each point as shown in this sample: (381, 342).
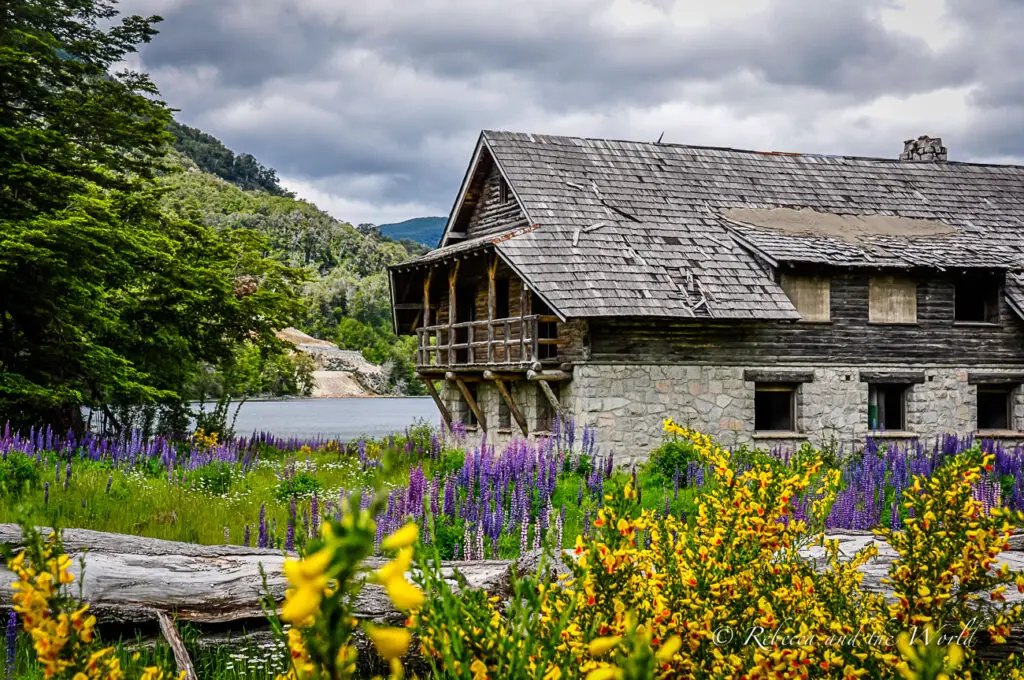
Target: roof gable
(477, 193)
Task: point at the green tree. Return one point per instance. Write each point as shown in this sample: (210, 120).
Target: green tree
(104, 299)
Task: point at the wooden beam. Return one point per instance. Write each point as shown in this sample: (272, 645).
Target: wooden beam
(492, 305)
(466, 377)
(453, 274)
(548, 375)
(513, 409)
(446, 415)
(473, 406)
(181, 657)
(426, 297)
(551, 397)
(523, 312)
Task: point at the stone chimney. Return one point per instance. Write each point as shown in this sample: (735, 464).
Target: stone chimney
(924, 148)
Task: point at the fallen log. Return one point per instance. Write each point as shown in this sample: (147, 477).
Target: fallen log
(128, 579)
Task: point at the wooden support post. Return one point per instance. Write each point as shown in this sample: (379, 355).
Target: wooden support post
(523, 303)
(492, 307)
(551, 397)
(181, 658)
(473, 406)
(453, 274)
(426, 297)
(507, 396)
(446, 415)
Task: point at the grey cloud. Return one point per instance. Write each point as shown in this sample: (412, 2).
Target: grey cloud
(398, 91)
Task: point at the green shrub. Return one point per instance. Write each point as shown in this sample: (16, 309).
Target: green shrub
(213, 478)
(18, 474)
(300, 484)
(671, 456)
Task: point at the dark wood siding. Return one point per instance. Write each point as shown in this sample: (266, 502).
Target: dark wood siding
(849, 338)
(490, 215)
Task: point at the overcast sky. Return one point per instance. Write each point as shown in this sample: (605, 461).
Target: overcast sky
(371, 108)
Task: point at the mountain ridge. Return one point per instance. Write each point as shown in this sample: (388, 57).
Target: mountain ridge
(424, 230)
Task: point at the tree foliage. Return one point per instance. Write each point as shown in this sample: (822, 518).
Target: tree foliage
(210, 154)
(105, 298)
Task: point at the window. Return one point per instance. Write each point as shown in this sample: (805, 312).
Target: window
(471, 420)
(887, 406)
(504, 415)
(546, 413)
(810, 295)
(501, 297)
(995, 407)
(892, 299)
(504, 195)
(774, 407)
(547, 330)
(976, 300)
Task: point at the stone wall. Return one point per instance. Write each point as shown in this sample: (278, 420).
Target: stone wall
(629, 402)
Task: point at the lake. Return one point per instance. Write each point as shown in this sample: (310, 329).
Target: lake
(343, 419)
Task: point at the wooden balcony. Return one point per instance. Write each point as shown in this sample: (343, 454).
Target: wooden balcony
(516, 342)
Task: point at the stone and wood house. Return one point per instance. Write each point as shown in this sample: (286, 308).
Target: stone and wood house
(766, 298)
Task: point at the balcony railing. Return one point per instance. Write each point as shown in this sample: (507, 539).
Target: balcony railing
(499, 342)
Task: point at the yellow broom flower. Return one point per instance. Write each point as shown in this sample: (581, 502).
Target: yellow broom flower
(391, 643)
(603, 645)
(611, 673)
(402, 538)
(669, 648)
(403, 594)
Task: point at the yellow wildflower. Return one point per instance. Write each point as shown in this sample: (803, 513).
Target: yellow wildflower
(402, 538)
(403, 594)
(391, 643)
(602, 645)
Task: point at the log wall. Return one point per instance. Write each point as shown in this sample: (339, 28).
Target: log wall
(849, 338)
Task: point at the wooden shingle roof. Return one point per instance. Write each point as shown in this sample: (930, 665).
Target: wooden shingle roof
(643, 229)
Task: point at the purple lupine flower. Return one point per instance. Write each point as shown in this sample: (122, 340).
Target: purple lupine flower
(305, 523)
(449, 497)
(46, 493)
(246, 536)
(467, 542)
(675, 482)
(314, 511)
(262, 539)
(289, 535)
(479, 541)
(524, 533)
(12, 644)
(586, 523)
(579, 495)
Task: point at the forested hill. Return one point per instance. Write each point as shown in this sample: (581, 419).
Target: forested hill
(345, 299)
(210, 154)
